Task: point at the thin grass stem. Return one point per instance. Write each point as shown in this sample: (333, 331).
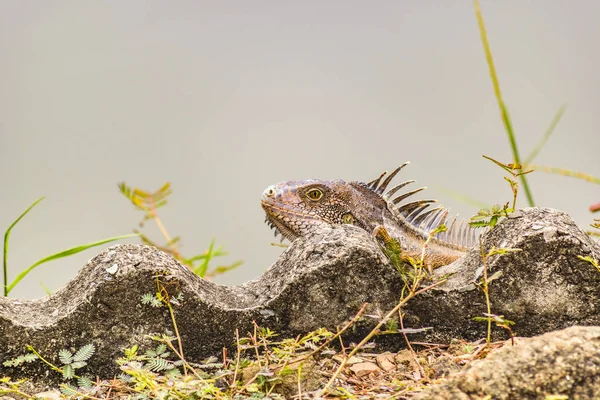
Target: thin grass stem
(503, 110)
(6, 236)
(547, 135)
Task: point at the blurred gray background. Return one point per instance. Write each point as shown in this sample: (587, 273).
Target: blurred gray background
(223, 98)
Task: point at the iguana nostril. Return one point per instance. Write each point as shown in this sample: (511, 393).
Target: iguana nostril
(269, 192)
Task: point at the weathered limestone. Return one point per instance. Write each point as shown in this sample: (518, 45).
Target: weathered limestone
(320, 281)
(561, 363)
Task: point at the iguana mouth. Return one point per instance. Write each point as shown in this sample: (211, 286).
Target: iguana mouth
(275, 221)
(280, 228)
(279, 217)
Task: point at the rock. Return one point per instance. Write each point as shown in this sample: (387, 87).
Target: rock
(404, 358)
(319, 281)
(543, 287)
(49, 395)
(364, 368)
(386, 361)
(562, 363)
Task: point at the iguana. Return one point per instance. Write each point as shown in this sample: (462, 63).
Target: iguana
(292, 207)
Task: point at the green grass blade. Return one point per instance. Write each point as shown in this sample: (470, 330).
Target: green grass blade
(201, 269)
(65, 253)
(48, 291)
(503, 110)
(225, 268)
(6, 236)
(565, 172)
(547, 135)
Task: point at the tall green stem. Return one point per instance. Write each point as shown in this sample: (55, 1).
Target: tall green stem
(503, 109)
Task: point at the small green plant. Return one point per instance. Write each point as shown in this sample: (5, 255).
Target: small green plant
(71, 361)
(74, 361)
(65, 253)
(500, 322)
(484, 286)
(163, 298)
(84, 387)
(157, 300)
(489, 217)
(156, 360)
(22, 359)
(149, 203)
(392, 248)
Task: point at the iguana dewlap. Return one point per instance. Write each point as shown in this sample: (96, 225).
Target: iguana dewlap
(292, 207)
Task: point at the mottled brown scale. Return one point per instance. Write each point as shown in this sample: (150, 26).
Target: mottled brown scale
(292, 207)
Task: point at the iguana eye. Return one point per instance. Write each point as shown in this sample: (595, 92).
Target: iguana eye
(348, 219)
(314, 194)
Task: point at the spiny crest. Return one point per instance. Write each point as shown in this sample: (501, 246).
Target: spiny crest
(419, 215)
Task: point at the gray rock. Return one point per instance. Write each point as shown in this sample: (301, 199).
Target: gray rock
(562, 363)
(541, 288)
(319, 281)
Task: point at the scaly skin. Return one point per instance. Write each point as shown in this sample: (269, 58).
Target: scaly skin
(293, 207)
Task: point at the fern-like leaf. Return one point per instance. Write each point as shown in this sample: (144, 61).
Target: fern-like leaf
(68, 389)
(29, 357)
(160, 349)
(65, 356)
(84, 382)
(479, 224)
(151, 353)
(158, 364)
(85, 352)
(151, 299)
(15, 362)
(172, 373)
(125, 378)
(68, 371)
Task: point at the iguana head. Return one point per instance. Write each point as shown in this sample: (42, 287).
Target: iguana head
(293, 207)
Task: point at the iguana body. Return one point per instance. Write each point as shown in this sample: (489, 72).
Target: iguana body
(292, 207)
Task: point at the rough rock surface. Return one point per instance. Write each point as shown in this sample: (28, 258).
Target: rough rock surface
(543, 287)
(561, 363)
(319, 281)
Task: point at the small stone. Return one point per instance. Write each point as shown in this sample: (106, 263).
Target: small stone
(112, 269)
(403, 357)
(386, 361)
(49, 395)
(364, 368)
